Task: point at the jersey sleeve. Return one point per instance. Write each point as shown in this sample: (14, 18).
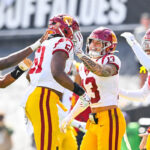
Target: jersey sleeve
(111, 59)
(141, 55)
(63, 44)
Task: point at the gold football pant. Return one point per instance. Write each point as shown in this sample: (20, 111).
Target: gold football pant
(148, 143)
(67, 141)
(42, 111)
(107, 134)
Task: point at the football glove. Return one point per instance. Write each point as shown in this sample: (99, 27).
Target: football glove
(82, 103)
(78, 43)
(85, 100)
(65, 123)
(129, 38)
(25, 64)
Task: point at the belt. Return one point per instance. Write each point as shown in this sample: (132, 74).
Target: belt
(100, 109)
(93, 117)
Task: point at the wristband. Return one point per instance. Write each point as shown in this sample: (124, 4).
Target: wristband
(35, 45)
(78, 89)
(17, 73)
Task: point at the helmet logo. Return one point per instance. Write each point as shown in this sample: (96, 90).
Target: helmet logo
(68, 20)
(114, 39)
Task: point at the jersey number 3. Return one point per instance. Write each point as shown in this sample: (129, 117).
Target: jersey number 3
(92, 89)
(37, 66)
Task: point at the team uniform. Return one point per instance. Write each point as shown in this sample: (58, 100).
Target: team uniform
(40, 107)
(107, 133)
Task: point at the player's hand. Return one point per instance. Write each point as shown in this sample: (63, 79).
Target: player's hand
(25, 64)
(78, 42)
(85, 100)
(65, 123)
(44, 37)
(129, 38)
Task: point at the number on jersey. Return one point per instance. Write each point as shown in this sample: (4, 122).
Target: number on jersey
(92, 89)
(111, 59)
(37, 65)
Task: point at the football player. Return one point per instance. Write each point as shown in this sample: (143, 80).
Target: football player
(100, 77)
(14, 59)
(144, 59)
(143, 56)
(48, 77)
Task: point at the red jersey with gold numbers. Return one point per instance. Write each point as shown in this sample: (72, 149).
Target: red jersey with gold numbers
(102, 90)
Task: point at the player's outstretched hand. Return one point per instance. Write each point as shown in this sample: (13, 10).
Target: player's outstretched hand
(44, 37)
(25, 64)
(65, 123)
(129, 38)
(78, 43)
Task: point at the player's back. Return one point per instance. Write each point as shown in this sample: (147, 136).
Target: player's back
(40, 73)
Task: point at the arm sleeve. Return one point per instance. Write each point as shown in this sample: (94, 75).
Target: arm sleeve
(136, 95)
(141, 55)
(77, 109)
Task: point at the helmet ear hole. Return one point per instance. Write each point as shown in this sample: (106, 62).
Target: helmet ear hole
(90, 40)
(65, 31)
(53, 23)
(87, 49)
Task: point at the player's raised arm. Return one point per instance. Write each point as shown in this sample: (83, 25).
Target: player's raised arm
(15, 58)
(100, 70)
(138, 50)
(135, 95)
(57, 67)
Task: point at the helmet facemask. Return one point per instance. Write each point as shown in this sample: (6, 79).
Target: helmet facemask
(146, 46)
(94, 53)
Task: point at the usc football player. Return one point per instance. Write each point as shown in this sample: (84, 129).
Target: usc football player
(144, 58)
(48, 78)
(99, 73)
